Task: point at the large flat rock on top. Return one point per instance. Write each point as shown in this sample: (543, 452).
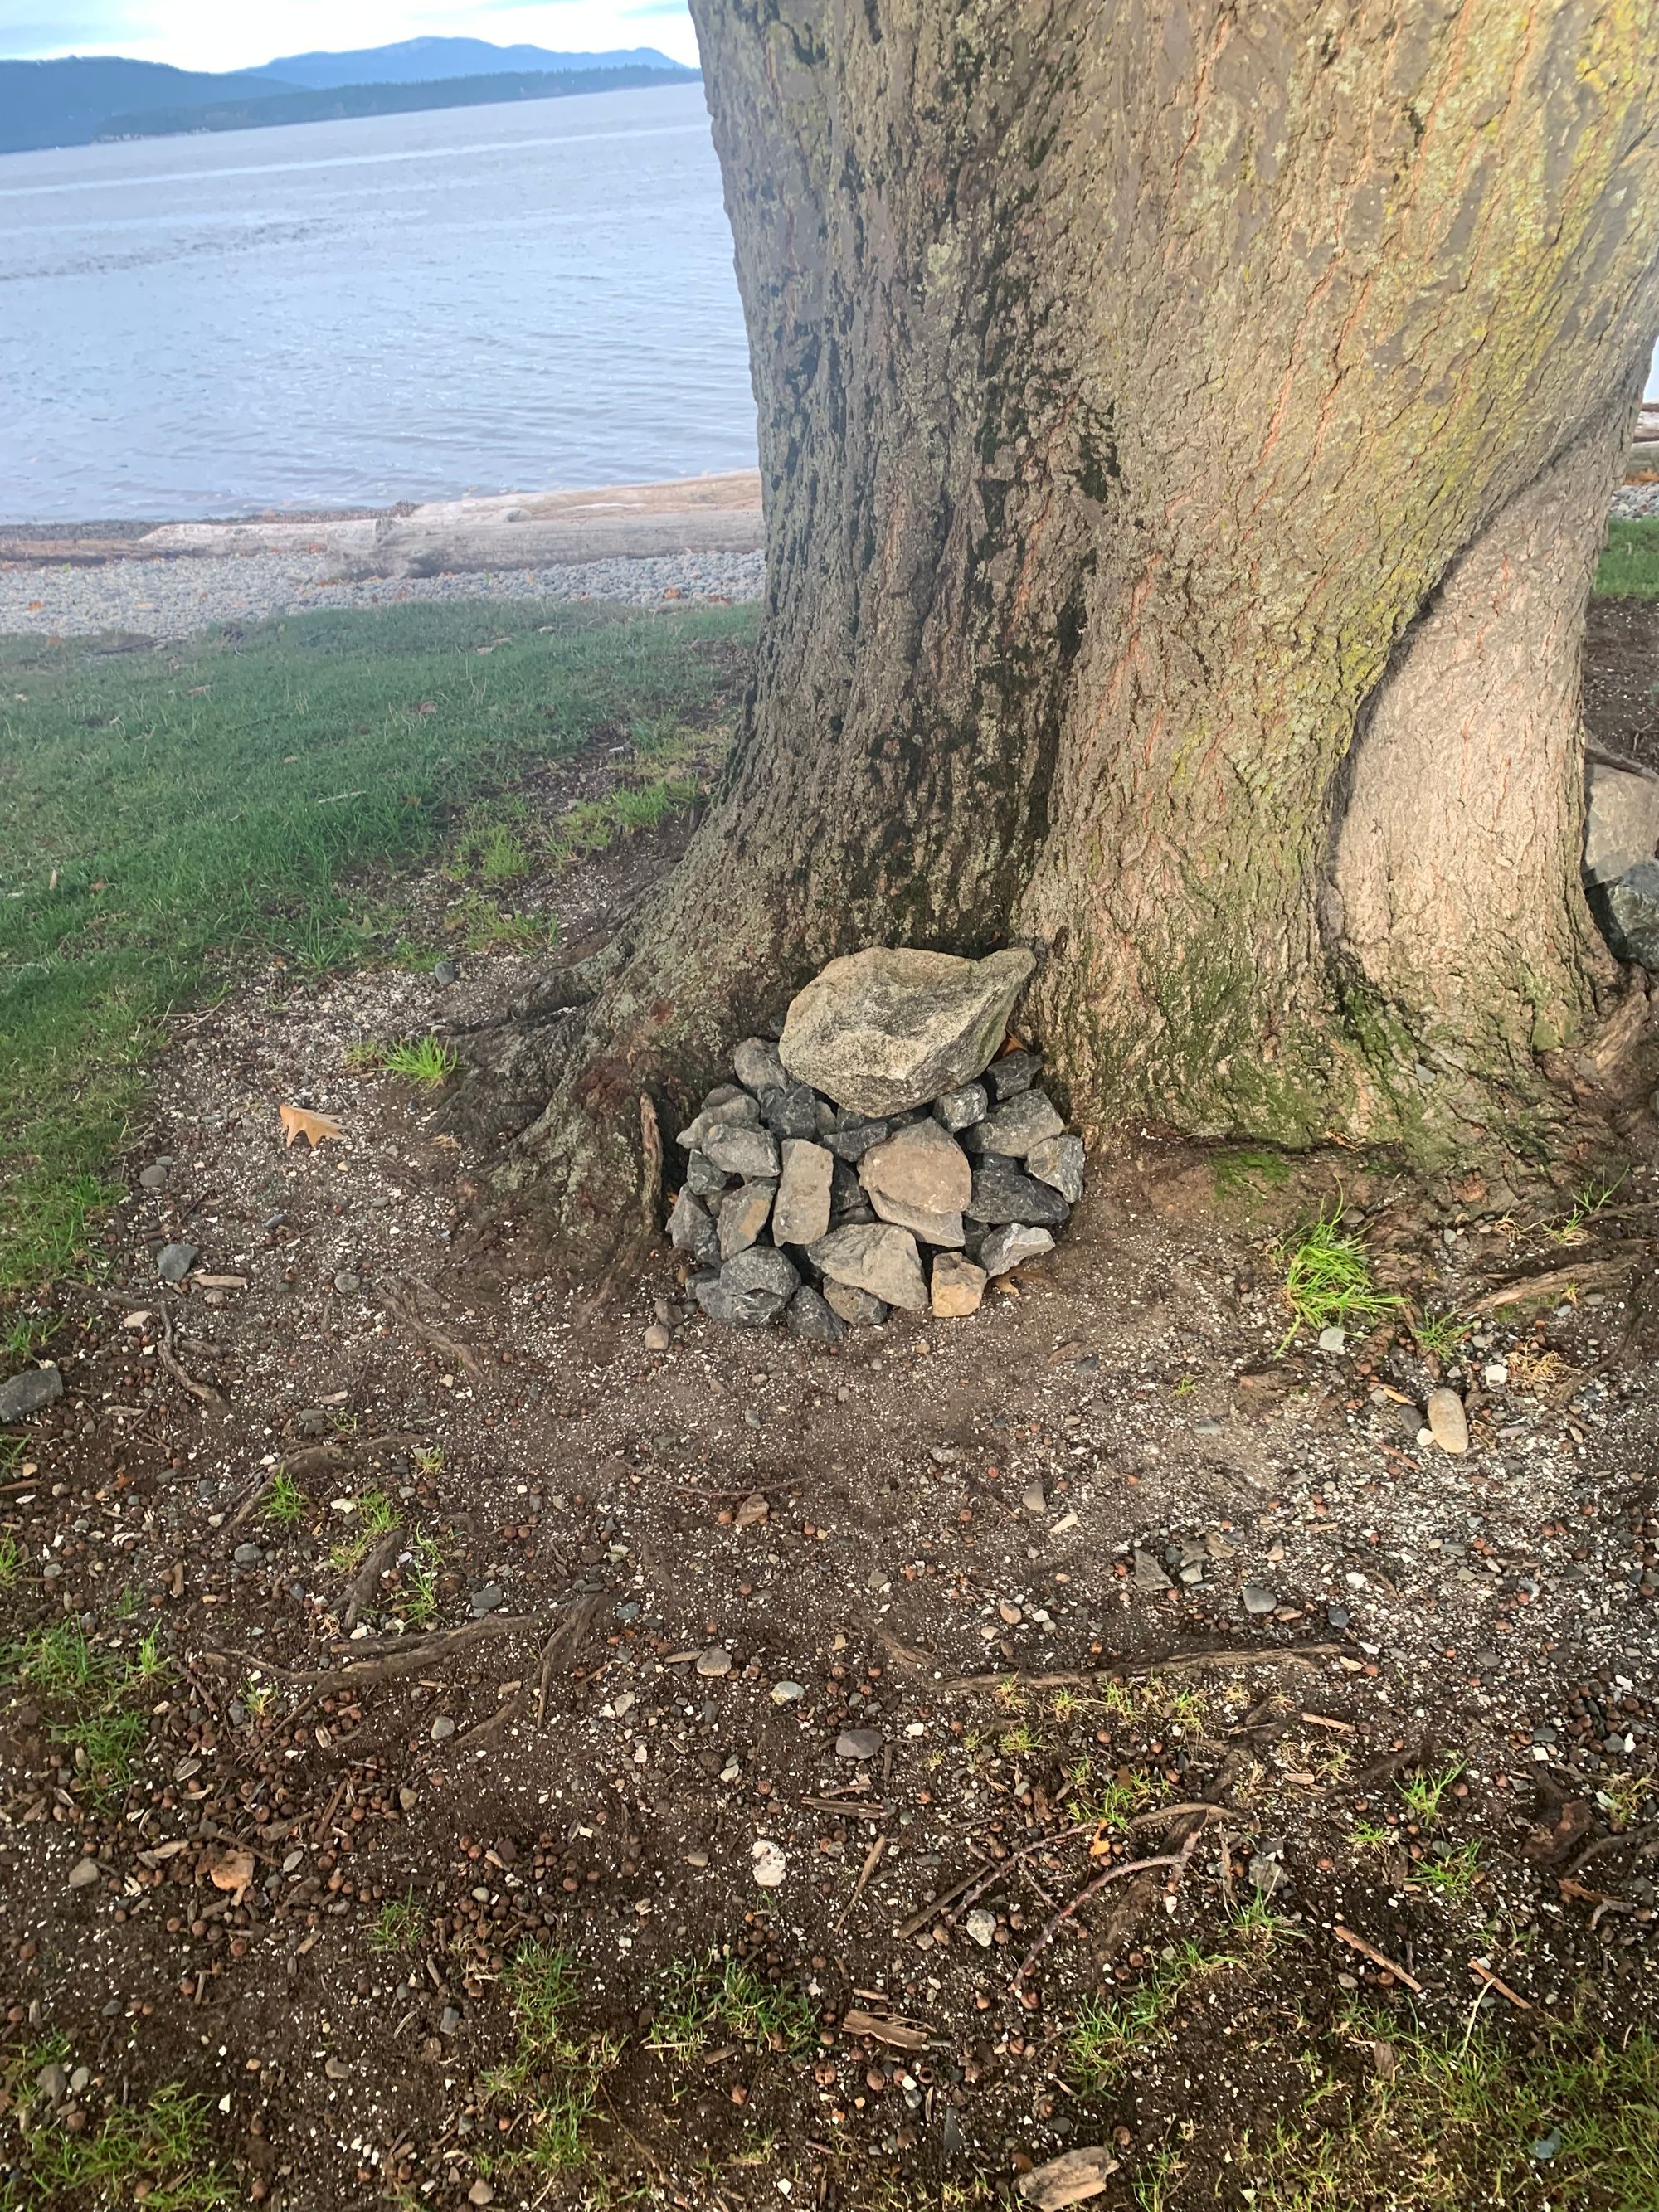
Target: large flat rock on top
(890, 1028)
(1621, 820)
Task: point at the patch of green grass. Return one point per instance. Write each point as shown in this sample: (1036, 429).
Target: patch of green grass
(1111, 1800)
(1327, 1280)
(156, 2152)
(422, 1060)
(11, 1559)
(1453, 1873)
(92, 1685)
(1423, 1790)
(419, 1604)
(1591, 1199)
(1439, 1334)
(377, 1513)
(1561, 2118)
(1629, 561)
(703, 1998)
(192, 803)
(1108, 2032)
(555, 2070)
(284, 1505)
(398, 1925)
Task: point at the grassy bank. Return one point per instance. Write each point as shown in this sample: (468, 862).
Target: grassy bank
(170, 815)
(1630, 563)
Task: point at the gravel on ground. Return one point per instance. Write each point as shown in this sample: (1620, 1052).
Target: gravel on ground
(171, 599)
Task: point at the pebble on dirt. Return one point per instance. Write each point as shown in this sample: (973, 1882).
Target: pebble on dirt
(27, 1392)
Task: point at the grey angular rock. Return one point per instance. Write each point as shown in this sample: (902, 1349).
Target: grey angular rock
(854, 1134)
(756, 1066)
(750, 1152)
(702, 1177)
(1258, 1598)
(247, 1555)
(174, 1261)
(1014, 1072)
(1148, 1575)
(690, 1229)
(878, 1257)
(853, 1306)
(1001, 1193)
(1005, 1248)
(791, 1112)
(729, 1106)
(891, 1027)
(801, 1214)
(961, 1108)
(154, 1177)
(1012, 1129)
(1621, 820)
(1058, 1161)
(858, 1744)
(744, 1214)
(26, 1394)
(1629, 909)
(761, 1268)
(737, 1309)
(487, 1598)
(813, 1320)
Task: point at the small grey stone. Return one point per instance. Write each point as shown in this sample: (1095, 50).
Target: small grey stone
(154, 1177)
(1013, 1128)
(1059, 1161)
(757, 1068)
(982, 1927)
(714, 1663)
(346, 1283)
(854, 1134)
(27, 1392)
(736, 1309)
(659, 1337)
(1258, 1598)
(702, 1177)
(880, 1258)
(1148, 1575)
(1334, 1340)
(1032, 1498)
(858, 1743)
(744, 1214)
(449, 2020)
(961, 1108)
(813, 1320)
(84, 1874)
(1001, 1194)
(486, 1599)
(1337, 1615)
(247, 1555)
(447, 972)
(729, 1106)
(174, 1261)
(690, 1229)
(51, 2081)
(761, 1267)
(791, 1112)
(1005, 1248)
(751, 1153)
(856, 1307)
(805, 1192)
(1013, 1073)
(442, 1726)
(786, 1693)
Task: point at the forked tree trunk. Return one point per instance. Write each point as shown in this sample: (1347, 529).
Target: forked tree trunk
(1187, 432)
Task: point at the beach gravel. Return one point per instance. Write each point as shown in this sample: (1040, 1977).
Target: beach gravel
(171, 599)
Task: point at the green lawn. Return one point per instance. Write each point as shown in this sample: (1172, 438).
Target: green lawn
(169, 812)
(1630, 566)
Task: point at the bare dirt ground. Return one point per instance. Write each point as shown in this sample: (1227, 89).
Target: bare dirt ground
(457, 1675)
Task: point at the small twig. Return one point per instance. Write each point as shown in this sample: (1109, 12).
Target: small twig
(872, 1859)
(1480, 1967)
(1377, 1958)
(369, 1576)
(507, 1710)
(1001, 1867)
(408, 1656)
(1176, 1663)
(169, 1360)
(1090, 1889)
(651, 1163)
(1637, 1836)
(327, 1821)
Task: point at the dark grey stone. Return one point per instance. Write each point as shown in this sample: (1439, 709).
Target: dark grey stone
(702, 1177)
(737, 1309)
(812, 1319)
(960, 1108)
(154, 1177)
(174, 1261)
(761, 1268)
(27, 1392)
(750, 1152)
(1014, 1072)
(690, 1229)
(1628, 909)
(247, 1555)
(756, 1066)
(487, 1599)
(1258, 1598)
(852, 1135)
(791, 1112)
(446, 972)
(1002, 1193)
(1028, 1118)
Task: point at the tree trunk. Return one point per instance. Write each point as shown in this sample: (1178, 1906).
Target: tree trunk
(1186, 431)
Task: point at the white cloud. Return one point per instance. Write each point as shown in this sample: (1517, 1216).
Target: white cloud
(205, 34)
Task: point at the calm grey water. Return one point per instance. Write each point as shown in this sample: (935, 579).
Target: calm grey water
(402, 307)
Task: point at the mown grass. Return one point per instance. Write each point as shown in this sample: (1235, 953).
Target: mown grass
(170, 812)
(1630, 562)
(555, 2072)
(154, 2153)
(1327, 1280)
(89, 1690)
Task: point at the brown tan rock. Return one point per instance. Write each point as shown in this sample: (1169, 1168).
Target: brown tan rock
(801, 1213)
(958, 1285)
(892, 1028)
(875, 1257)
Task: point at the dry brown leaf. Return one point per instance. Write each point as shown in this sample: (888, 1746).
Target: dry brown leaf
(232, 1870)
(315, 1128)
(1072, 2178)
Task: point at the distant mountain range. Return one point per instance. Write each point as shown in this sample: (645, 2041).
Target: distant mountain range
(81, 99)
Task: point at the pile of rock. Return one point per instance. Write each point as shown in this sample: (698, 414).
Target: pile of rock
(1621, 875)
(887, 1149)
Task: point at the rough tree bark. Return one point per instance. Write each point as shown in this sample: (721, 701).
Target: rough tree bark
(1186, 430)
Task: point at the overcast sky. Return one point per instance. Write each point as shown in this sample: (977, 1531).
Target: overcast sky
(206, 35)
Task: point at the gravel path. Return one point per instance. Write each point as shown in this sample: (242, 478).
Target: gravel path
(1631, 500)
(171, 599)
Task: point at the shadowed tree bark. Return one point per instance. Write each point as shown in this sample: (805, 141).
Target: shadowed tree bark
(1186, 430)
